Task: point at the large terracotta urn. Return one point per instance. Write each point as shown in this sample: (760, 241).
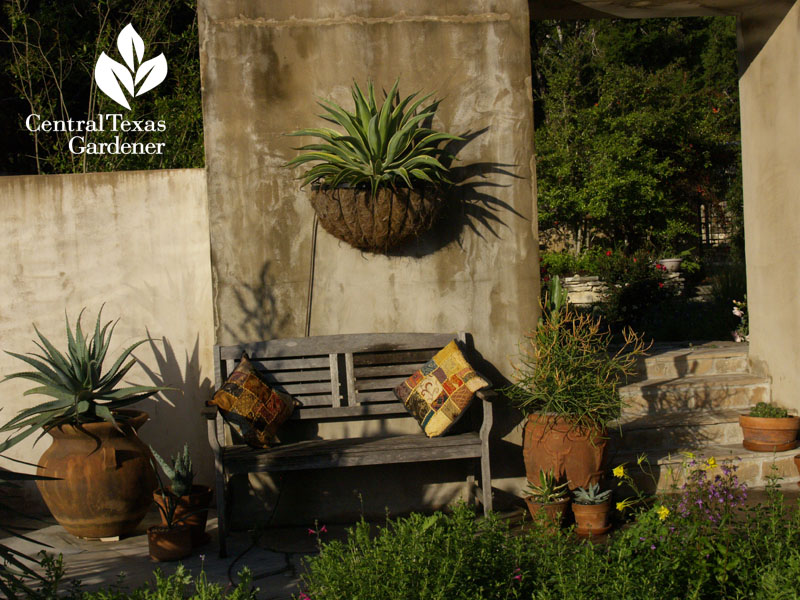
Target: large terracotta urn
(105, 479)
(574, 455)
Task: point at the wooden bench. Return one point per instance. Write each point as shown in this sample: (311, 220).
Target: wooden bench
(340, 378)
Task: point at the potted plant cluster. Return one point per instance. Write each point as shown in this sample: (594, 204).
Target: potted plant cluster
(98, 481)
(191, 500)
(769, 428)
(379, 179)
(591, 508)
(548, 497)
(567, 385)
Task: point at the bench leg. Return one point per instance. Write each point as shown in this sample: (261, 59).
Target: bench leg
(222, 511)
(486, 483)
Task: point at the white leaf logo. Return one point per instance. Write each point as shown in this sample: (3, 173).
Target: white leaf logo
(109, 74)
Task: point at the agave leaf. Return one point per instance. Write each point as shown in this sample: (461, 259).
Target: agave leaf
(54, 357)
(423, 160)
(373, 106)
(105, 413)
(51, 406)
(362, 109)
(320, 132)
(421, 175)
(125, 393)
(373, 137)
(120, 359)
(404, 174)
(413, 109)
(15, 439)
(385, 117)
(36, 364)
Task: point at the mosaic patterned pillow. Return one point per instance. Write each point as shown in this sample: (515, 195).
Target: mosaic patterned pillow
(441, 391)
(250, 406)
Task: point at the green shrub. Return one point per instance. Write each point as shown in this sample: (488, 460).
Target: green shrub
(768, 411)
(674, 549)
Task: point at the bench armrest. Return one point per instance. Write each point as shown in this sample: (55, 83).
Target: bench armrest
(487, 394)
(209, 411)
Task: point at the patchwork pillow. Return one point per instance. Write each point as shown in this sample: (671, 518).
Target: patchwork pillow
(250, 406)
(441, 391)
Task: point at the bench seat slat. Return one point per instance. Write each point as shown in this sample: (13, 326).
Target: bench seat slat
(312, 454)
(414, 358)
(379, 384)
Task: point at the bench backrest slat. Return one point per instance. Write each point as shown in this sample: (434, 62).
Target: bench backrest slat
(339, 376)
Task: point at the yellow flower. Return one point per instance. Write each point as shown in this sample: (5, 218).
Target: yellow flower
(712, 462)
(619, 471)
(663, 512)
(628, 502)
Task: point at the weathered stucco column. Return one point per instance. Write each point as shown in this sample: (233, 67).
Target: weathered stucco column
(265, 64)
(769, 88)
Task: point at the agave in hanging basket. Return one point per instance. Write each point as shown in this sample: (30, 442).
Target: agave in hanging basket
(81, 391)
(388, 161)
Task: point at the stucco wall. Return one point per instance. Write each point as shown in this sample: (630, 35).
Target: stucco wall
(264, 65)
(136, 242)
(770, 87)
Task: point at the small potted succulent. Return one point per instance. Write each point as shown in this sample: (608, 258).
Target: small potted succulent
(567, 385)
(378, 180)
(191, 500)
(172, 539)
(591, 508)
(769, 428)
(547, 497)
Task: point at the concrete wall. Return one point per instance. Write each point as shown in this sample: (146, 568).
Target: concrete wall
(769, 87)
(264, 64)
(136, 241)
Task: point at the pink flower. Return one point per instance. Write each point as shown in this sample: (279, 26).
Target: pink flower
(608, 252)
(311, 532)
(634, 260)
(323, 529)
(660, 284)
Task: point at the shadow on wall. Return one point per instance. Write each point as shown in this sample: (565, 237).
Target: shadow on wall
(468, 203)
(177, 417)
(260, 317)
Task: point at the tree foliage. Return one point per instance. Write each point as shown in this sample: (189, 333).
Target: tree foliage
(48, 57)
(637, 125)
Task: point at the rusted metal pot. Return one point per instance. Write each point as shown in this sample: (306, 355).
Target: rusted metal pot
(575, 455)
(765, 434)
(105, 479)
(191, 510)
(377, 223)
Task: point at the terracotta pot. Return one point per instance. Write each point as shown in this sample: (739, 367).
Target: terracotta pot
(106, 481)
(554, 511)
(591, 519)
(797, 464)
(376, 223)
(764, 434)
(167, 544)
(195, 505)
(577, 456)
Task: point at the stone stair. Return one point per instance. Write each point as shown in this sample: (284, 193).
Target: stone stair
(688, 399)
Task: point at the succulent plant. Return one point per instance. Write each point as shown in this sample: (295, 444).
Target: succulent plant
(82, 391)
(770, 411)
(548, 489)
(386, 144)
(179, 473)
(592, 495)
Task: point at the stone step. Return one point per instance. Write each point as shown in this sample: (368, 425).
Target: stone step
(706, 392)
(680, 360)
(753, 468)
(645, 432)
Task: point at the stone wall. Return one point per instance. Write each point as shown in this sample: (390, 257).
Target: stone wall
(263, 66)
(769, 87)
(134, 243)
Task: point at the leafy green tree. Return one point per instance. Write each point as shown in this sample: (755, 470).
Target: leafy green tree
(637, 126)
(48, 58)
